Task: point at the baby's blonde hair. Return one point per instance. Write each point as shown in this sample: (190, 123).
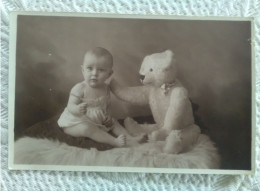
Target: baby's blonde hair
(101, 52)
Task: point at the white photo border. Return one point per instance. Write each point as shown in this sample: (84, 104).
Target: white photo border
(11, 98)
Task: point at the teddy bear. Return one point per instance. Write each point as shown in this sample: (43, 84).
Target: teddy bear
(168, 100)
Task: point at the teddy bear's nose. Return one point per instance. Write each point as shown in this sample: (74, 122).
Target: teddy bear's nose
(142, 77)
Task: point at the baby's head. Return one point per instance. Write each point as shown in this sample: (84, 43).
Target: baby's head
(97, 66)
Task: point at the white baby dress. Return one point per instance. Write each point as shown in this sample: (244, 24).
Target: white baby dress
(98, 110)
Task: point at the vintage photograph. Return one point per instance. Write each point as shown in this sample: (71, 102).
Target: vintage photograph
(131, 93)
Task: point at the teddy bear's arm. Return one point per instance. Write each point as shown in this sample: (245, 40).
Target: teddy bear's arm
(177, 109)
(136, 95)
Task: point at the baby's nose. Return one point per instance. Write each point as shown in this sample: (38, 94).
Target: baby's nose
(142, 77)
(94, 72)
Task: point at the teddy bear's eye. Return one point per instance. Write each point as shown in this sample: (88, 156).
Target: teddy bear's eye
(151, 69)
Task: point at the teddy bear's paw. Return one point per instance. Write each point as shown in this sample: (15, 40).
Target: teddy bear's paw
(152, 137)
(173, 147)
(172, 150)
(132, 126)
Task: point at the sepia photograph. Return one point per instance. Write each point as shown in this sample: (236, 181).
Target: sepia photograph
(129, 93)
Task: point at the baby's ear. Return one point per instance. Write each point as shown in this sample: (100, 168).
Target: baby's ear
(108, 80)
(111, 72)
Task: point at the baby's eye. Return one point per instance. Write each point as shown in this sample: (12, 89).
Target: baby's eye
(89, 68)
(151, 69)
(101, 70)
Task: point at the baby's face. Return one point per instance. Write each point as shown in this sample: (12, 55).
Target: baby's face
(96, 70)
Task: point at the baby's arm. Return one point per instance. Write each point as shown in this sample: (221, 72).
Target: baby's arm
(74, 104)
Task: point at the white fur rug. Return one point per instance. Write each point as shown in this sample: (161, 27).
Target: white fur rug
(43, 151)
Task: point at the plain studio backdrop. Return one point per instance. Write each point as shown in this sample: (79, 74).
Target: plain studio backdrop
(214, 61)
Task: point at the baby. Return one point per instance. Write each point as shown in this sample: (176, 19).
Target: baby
(88, 111)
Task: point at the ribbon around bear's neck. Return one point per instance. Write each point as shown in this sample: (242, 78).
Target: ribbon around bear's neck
(166, 87)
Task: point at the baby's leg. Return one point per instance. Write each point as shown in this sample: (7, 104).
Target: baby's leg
(130, 140)
(135, 129)
(93, 132)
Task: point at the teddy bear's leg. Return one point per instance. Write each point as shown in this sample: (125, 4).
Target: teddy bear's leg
(173, 143)
(136, 129)
(181, 140)
(190, 136)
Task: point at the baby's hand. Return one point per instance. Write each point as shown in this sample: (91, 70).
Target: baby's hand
(82, 108)
(108, 122)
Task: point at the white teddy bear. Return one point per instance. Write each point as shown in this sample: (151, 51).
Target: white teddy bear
(168, 100)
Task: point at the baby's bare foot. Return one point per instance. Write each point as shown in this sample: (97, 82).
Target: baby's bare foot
(120, 141)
